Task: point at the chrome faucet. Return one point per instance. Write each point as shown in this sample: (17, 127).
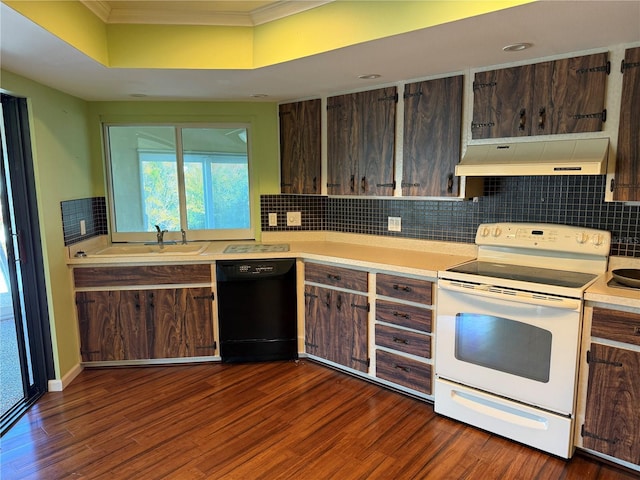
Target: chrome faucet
(160, 236)
(184, 236)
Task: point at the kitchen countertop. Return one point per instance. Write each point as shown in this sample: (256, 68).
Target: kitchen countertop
(416, 257)
(600, 292)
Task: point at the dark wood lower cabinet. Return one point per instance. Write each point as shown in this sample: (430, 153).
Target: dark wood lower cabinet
(612, 421)
(336, 326)
(143, 324)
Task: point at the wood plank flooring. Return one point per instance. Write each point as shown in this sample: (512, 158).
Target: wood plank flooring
(281, 420)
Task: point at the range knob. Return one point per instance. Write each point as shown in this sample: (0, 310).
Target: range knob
(597, 239)
(582, 238)
(497, 232)
(484, 232)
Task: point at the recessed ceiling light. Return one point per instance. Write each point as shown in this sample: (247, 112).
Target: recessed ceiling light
(369, 76)
(258, 95)
(516, 47)
(138, 95)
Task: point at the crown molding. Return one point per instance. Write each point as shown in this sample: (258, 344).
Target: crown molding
(100, 9)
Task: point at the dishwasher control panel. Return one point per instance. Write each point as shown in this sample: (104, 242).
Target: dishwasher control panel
(230, 270)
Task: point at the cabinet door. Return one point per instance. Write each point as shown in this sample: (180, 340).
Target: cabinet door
(318, 321)
(502, 102)
(612, 423)
(180, 323)
(112, 325)
(432, 123)
(569, 95)
(627, 181)
(343, 145)
(300, 147)
(377, 117)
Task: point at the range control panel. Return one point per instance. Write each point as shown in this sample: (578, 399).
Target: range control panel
(545, 236)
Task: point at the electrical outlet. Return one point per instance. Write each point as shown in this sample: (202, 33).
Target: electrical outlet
(273, 219)
(294, 219)
(394, 224)
(83, 227)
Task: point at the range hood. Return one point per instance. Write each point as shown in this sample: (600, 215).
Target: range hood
(551, 157)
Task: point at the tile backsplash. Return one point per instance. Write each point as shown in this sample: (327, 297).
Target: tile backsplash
(571, 200)
(94, 213)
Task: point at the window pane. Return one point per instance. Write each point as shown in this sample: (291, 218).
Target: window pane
(144, 178)
(216, 171)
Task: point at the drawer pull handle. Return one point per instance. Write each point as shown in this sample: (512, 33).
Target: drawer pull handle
(402, 315)
(401, 340)
(334, 277)
(401, 287)
(636, 330)
(403, 368)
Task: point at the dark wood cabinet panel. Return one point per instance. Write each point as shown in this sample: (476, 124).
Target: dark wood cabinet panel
(180, 323)
(404, 341)
(556, 97)
(403, 371)
(616, 325)
(404, 315)
(336, 326)
(112, 325)
(432, 137)
(612, 423)
(501, 102)
(627, 180)
(300, 147)
(361, 142)
(404, 288)
(141, 275)
(336, 276)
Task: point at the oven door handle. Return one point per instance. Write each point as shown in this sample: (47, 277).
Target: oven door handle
(528, 298)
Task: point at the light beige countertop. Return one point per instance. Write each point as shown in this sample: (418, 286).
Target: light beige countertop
(416, 257)
(600, 292)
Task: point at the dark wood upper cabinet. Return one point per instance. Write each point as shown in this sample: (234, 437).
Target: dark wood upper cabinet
(300, 147)
(361, 142)
(432, 137)
(626, 186)
(555, 97)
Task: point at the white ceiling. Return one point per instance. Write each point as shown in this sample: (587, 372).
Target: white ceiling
(554, 27)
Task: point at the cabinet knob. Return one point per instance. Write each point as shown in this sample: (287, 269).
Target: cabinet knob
(523, 119)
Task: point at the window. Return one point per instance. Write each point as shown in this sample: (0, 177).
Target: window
(192, 178)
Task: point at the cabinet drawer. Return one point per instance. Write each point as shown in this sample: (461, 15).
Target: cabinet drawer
(404, 371)
(404, 288)
(141, 275)
(408, 316)
(616, 325)
(404, 341)
(336, 276)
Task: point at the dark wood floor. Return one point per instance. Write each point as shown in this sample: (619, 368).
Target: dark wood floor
(283, 420)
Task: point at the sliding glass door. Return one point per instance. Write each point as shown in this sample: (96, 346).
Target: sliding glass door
(25, 345)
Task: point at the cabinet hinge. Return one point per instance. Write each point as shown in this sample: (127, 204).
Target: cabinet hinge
(205, 297)
(89, 352)
(592, 359)
(333, 107)
(416, 94)
(390, 98)
(362, 307)
(612, 185)
(286, 184)
(310, 295)
(207, 346)
(285, 113)
(601, 115)
(309, 344)
(584, 433)
(329, 185)
(625, 65)
(359, 360)
(602, 68)
(482, 125)
(478, 86)
(408, 184)
(82, 302)
(392, 185)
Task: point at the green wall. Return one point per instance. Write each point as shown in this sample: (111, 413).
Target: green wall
(64, 170)
(66, 136)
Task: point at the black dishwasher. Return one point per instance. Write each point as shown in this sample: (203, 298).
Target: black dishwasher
(257, 313)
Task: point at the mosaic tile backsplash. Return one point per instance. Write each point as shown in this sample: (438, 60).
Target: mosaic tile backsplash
(94, 213)
(570, 200)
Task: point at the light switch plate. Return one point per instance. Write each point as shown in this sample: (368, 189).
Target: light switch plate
(273, 219)
(394, 224)
(294, 219)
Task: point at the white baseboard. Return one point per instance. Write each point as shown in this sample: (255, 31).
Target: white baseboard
(59, 385)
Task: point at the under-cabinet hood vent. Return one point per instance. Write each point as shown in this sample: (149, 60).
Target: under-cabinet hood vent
(555, 157)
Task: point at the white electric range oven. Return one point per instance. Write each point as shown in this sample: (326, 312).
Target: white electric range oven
(508, 331)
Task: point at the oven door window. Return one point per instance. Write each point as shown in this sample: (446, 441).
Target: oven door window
(504, 345)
